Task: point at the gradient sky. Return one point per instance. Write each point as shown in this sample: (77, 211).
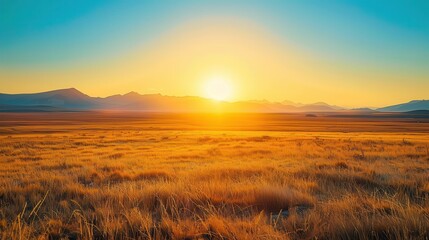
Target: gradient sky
(349, 53)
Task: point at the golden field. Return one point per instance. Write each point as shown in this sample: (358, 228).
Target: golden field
(213, 176)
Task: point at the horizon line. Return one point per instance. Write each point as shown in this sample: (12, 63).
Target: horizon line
(291, 103)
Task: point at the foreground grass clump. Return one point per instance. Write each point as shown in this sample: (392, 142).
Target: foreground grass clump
(132, 184)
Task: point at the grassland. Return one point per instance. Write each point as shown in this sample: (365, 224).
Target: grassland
(213, 176)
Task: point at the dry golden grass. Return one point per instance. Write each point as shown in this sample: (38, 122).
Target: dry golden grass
(64, 178)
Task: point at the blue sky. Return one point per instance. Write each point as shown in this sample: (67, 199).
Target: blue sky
(368, 35)
(34, 32)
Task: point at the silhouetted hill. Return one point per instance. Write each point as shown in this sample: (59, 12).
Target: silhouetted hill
(63, 98)
(133, 101)
(406, 107)
(73, 100)
(157, 103)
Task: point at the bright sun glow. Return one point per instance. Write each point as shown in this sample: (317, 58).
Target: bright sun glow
(218, 88)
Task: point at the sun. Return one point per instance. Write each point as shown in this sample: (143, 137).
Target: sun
(218, 88)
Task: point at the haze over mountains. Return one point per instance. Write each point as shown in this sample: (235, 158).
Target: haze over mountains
(74, 100)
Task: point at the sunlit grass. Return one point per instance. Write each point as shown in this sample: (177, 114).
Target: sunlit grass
(121, 184)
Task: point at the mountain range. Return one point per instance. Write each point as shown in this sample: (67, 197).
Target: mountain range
(73, 100)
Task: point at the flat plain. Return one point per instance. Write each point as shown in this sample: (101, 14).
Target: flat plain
(112, 175)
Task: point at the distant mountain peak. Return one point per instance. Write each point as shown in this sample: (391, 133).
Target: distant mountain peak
(136, 94)
(71, 98)
(416, 101)
(320, 104)
(132, 93)
(406, 107)
(288, 102)
(68, 91)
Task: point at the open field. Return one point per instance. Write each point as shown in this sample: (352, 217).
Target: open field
(213, 176)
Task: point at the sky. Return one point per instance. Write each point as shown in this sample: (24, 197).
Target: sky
(350, 53)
